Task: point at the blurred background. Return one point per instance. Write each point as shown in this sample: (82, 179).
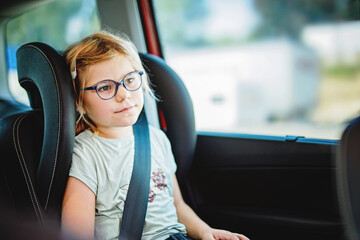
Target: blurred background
(273, 67)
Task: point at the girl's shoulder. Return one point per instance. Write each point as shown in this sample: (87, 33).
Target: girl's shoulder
(84, 138)
(83, 143)
(157, 134)
(159, 140)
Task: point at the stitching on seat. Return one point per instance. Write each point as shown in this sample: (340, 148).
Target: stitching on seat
(22, 162)
(59, 122)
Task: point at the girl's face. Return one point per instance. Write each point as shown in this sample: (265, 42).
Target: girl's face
(114, 117)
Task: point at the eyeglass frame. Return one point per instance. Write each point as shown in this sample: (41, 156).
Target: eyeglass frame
(94, 87)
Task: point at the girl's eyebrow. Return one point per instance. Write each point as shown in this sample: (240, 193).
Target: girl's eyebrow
(122, 78)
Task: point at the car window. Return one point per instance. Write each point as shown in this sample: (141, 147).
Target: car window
(265, 67)
(57, 23)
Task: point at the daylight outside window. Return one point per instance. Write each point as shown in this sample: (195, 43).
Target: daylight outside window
(57, 23)
(266, 67)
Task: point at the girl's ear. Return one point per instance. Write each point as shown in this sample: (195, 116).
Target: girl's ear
(80, 109)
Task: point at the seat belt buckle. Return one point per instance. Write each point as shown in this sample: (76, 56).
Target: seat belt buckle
(177, 236)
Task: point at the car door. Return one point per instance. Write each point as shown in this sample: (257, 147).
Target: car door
(277, 188)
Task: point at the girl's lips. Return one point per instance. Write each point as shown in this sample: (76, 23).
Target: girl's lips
(125, 109)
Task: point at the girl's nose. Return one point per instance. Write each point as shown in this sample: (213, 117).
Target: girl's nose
(121, 94)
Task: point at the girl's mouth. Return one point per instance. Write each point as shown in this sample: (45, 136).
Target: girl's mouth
(125, 109)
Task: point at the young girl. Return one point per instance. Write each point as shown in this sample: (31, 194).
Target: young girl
(104, 149)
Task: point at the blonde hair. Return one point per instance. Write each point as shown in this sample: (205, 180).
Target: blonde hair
(96, 48)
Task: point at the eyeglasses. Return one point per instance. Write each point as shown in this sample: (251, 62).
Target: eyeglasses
(107, 89)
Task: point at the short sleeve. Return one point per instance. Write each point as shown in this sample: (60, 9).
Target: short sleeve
(83, 168)
(165, 145)
(169, 155)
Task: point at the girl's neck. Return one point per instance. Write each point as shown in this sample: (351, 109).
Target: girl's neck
(116, 133)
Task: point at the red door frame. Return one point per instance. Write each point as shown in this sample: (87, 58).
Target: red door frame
(152, 41)
(149, 27)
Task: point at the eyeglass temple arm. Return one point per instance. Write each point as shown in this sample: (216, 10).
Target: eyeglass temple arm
(89, 88)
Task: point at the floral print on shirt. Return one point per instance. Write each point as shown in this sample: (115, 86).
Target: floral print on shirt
(159, 179)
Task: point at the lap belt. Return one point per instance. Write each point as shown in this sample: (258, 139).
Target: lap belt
(136, 202)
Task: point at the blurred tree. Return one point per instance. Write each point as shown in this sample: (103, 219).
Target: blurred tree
(183, 22)
(181, 18)
(287, 18)
(48, 23)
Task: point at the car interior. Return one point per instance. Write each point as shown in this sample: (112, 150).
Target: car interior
(265, 187)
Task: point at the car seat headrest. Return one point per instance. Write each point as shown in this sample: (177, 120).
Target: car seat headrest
(43, 73)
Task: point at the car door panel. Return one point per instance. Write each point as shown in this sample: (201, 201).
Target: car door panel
(264, 187)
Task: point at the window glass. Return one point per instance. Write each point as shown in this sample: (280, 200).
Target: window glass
(58, 23)
(271, 67)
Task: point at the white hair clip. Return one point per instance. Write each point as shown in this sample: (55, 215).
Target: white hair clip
(73, 73)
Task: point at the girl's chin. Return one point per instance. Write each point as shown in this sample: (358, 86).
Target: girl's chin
(129, 121)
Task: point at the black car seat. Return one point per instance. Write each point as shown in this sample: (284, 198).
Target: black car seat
(38, 143)
(8, 107)
(348, 179)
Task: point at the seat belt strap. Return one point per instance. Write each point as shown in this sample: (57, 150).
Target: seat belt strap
(133, 218)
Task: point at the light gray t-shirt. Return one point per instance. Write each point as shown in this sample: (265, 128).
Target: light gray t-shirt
(105, 166)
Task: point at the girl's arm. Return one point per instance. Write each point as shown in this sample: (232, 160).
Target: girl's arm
(78, 210)
(195, 227)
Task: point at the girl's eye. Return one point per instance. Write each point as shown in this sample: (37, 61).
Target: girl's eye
(104, 88)
(129, 80)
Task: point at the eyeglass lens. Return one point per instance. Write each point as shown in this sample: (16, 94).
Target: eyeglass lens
(107, 88)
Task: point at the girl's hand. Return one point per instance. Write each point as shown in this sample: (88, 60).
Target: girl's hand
(216, 234)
